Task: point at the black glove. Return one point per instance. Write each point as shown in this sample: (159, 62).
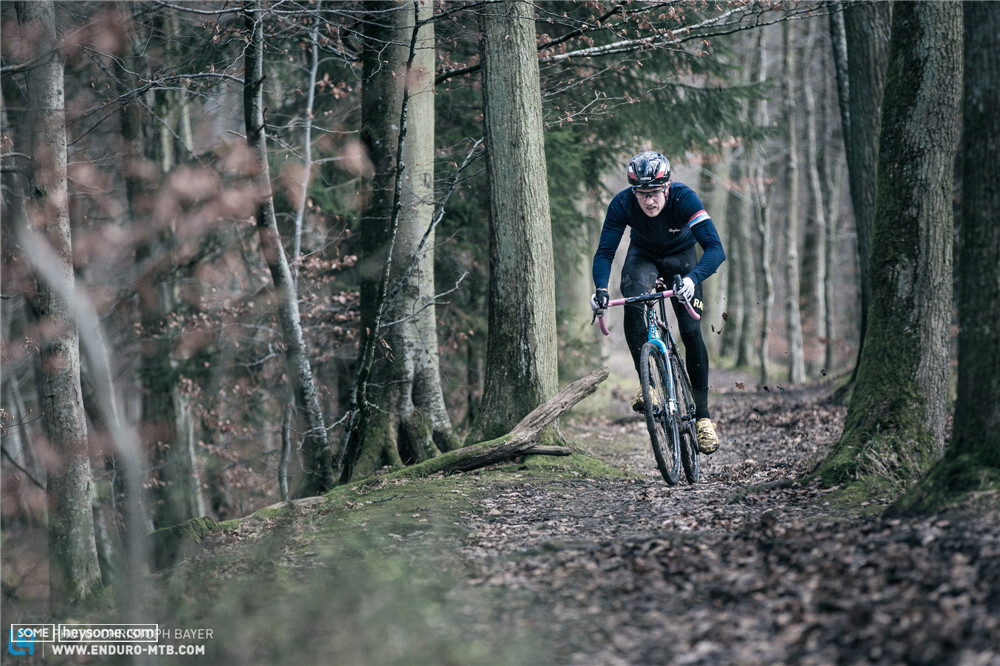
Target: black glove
(600, 299)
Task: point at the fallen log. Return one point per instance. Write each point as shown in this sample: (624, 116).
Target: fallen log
(518, 442)
(547, 451)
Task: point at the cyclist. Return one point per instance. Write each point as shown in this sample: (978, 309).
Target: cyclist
(667, 219)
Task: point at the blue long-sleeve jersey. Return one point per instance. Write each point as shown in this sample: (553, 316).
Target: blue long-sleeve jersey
(682, 223)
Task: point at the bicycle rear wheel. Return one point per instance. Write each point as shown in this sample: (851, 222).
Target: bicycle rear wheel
(686, 421)
(661, 423)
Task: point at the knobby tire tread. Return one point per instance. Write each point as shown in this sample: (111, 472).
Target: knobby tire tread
(663, 428)
(690, 457)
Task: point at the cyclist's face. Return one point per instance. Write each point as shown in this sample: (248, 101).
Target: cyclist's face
(651, 200)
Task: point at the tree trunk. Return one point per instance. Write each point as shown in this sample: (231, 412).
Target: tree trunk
(814, 266)
(972, 464)
(734, 305)
(738, 334)
(831, 169)
(741, 212)
(317, 455)
(764, 299)
(793, 317)
(896, 418)
(521, 370)
(168, 429)
(74, 572)
(406, 419)
(866, 40)
(387, 402)
(715, 293)
(719, 302)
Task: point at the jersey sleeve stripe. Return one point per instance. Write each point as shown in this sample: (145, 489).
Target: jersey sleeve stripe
(700, 216)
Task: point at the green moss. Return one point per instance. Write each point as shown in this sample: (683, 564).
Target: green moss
(877, 468)
(572, 466)
(416, 440)
(378, 449)
(272, 512)
(168, 544)
(953, 481)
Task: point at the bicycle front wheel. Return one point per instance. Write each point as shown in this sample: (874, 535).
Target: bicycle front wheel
(661, 422)
(686, 421)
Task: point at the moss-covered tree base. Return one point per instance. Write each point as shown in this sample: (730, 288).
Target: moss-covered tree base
(953, 482)
(378, 448)
(169, 544)
(874, 468)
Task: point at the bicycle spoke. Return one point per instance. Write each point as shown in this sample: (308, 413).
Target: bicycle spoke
(661, 423)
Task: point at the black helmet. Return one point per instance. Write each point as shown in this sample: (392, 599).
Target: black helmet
(648, 169)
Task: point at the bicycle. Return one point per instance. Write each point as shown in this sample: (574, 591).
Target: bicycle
(668, 401)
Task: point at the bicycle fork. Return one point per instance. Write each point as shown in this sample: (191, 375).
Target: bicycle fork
(668, 375)
(654, 336)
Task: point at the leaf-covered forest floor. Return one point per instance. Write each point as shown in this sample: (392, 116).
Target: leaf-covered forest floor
(744, 568)
(571, 561)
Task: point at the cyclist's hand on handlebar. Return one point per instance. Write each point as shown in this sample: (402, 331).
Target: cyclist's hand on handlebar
(684, 288)
(600, 299)
(599, 303)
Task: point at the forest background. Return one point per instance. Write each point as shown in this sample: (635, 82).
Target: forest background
(297, 246)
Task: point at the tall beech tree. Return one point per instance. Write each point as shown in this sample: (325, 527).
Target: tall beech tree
(895, 420)
(760, 175)
(860, 53)
(972, 463)
(521, 366)
(406, 420)
(793, 316)
(74, 573)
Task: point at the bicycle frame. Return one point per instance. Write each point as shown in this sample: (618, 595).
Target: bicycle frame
(652, 301)
(660, 340)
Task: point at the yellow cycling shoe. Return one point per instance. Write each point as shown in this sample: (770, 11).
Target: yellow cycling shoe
(638, 404)
(708, 441)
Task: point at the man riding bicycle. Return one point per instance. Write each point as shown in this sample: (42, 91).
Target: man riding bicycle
(667, 219)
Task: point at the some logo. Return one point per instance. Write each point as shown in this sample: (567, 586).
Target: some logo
(22, 640)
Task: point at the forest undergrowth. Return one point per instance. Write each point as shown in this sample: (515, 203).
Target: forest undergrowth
(593, 559)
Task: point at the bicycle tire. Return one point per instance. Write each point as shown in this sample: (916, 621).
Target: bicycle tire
(690, 458)
(662, 425)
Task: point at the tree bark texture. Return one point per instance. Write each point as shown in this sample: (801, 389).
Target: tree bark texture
(831, 176)
(521, 370)
(977, 410)
(764, 298)
(971, 465)
(793, 316)
(317, 455)
(814, 259)
(418, 238)
(74, 572)
(866, 29)
(408, 419)
(896, 417)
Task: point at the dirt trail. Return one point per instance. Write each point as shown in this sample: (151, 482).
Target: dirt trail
(743, 568)
(638, 572)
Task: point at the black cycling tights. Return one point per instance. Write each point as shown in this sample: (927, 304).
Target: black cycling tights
(638, 275)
